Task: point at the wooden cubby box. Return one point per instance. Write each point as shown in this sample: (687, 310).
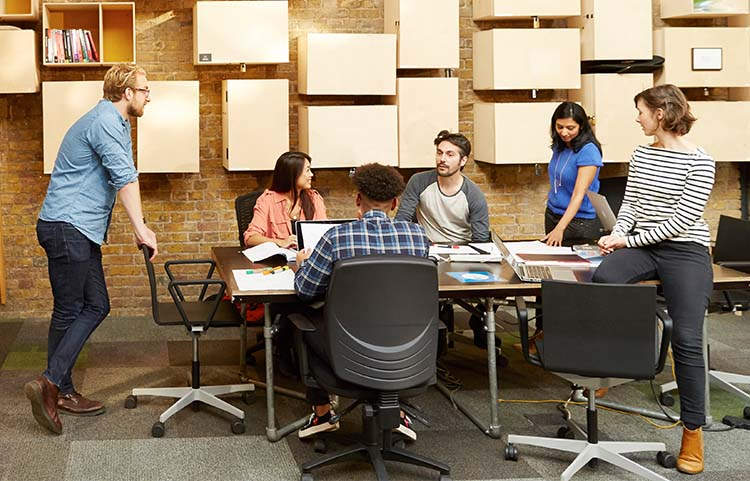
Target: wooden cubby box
(730, 69)
(169, 130)
(346, 64)
(19, 10)
(112, 27)
(62, 104)
(613, 116)
(350, 135)
(425, 107)
(688, 9)
(502, 9)
(19, 59)
(255, 123)
(722, 127)
(549, 59)
(427, 32)
(240, 32)
(605, 24)
(527, 141)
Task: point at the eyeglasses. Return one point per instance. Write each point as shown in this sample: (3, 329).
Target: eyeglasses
(146, 91)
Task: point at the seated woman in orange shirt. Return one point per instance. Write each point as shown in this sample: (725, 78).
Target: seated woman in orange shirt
(290, 198)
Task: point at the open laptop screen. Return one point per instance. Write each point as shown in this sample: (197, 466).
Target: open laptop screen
(309, 232)
(603, 210)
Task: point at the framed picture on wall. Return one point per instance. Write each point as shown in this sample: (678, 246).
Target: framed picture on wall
(707, 58)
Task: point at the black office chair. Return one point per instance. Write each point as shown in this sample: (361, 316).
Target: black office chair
(244, 208)
(197, 317)
(381, 332)
(597, 335)
(731, 251)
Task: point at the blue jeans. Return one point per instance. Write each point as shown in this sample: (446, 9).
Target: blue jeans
(81, 301)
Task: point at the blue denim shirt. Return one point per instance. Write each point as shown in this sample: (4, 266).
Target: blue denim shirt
(95, 161)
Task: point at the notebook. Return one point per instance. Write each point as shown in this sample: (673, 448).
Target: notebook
(309, 232)
(603, 210)
(537, 270)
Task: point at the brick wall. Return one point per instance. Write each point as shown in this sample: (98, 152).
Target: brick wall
(193, 212)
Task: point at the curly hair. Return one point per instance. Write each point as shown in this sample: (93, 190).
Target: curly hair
(118, 78)
(677, 116)
(380, 183)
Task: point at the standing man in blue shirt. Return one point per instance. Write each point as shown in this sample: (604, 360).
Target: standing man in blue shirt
(378, 189)
(94, 165)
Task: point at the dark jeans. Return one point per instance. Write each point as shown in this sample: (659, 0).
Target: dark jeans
(80, 296)
(684, 269)
(579, 231)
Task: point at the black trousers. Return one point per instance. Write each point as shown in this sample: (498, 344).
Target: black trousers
(579, 231)
(684, 269)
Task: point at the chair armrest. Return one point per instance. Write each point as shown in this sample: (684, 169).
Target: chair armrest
(301, 322)
(523, 327)
(168, 267)
(179, 299)
(666, 337)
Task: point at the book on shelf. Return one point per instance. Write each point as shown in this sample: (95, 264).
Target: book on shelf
(94, 53)
(70, 46)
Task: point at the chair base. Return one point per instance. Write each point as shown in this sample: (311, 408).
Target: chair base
(377, 457)
(205, 394)
(609, 451)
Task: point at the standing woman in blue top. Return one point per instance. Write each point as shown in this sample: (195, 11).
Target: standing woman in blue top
(574, 167)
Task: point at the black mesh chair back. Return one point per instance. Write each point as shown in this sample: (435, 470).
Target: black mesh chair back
(613, 189)
(600, 330)
(731, 243)
(381, 316)
(244, 208)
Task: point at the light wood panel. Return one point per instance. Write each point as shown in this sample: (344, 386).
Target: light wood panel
(671, 9)
(20, 61)
(19, 10)
(427, 32)
(500, 9)
(615, 29)
(722, 129)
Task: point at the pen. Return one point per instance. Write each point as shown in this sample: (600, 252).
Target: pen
(446, 247)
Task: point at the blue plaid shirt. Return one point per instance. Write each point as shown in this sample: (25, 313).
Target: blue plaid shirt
(375, 233)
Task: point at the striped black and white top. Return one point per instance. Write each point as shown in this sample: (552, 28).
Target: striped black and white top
(665, 197)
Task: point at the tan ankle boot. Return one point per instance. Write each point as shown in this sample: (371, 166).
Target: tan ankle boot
(690, 460)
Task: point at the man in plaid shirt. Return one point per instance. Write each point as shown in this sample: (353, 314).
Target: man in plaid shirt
(378, 189)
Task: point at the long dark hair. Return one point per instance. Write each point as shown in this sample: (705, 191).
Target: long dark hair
(571, 110)
(289, 166)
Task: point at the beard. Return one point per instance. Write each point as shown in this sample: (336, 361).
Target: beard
(134, 110)
(447, 173)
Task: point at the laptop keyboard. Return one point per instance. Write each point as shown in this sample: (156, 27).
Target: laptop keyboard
(538, 272)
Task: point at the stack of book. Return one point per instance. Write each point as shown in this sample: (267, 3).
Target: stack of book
(70, 46)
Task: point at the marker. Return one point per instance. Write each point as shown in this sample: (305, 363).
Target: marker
(279, 269)
(446, 247)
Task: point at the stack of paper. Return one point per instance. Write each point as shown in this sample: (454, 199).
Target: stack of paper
(248, 280)
(269, 249)
(539, 253)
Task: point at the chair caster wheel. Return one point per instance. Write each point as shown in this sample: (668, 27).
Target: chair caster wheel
(306, 477)
(565, 433)
(511, 453)
(131, 402)
(746, 412)
(196, 406)
(666, 399)
(238, 426)
(319, 446)
(666, 459)
(157, 430)
(248, 397)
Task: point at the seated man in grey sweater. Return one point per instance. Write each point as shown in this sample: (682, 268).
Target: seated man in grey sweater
(448, 205)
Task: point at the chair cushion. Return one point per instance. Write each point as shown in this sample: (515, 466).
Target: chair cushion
(198, 313)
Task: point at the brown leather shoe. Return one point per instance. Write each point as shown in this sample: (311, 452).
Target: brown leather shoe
(690, 460)
(77, 405)
(43, 396)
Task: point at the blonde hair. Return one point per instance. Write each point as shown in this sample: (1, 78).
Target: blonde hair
(118, 78)
(677, 116)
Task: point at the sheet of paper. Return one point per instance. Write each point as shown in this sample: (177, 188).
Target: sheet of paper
(281, 281)
(536, 247)
(446, 249)
(268, 249)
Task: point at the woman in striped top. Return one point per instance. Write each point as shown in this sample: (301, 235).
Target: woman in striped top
(661, 234)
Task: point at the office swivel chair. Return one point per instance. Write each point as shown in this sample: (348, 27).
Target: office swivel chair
(731, 251)
(244, 208)
(597, 335)
(381, 333)
(197, 317)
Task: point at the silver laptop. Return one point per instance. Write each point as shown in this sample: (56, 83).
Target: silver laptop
(603, 210)
(535, 272)
(309, 232)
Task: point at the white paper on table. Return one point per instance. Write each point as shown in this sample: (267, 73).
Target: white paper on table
(281, 281)
(445, 249)
(536, 247)
(268, 249)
